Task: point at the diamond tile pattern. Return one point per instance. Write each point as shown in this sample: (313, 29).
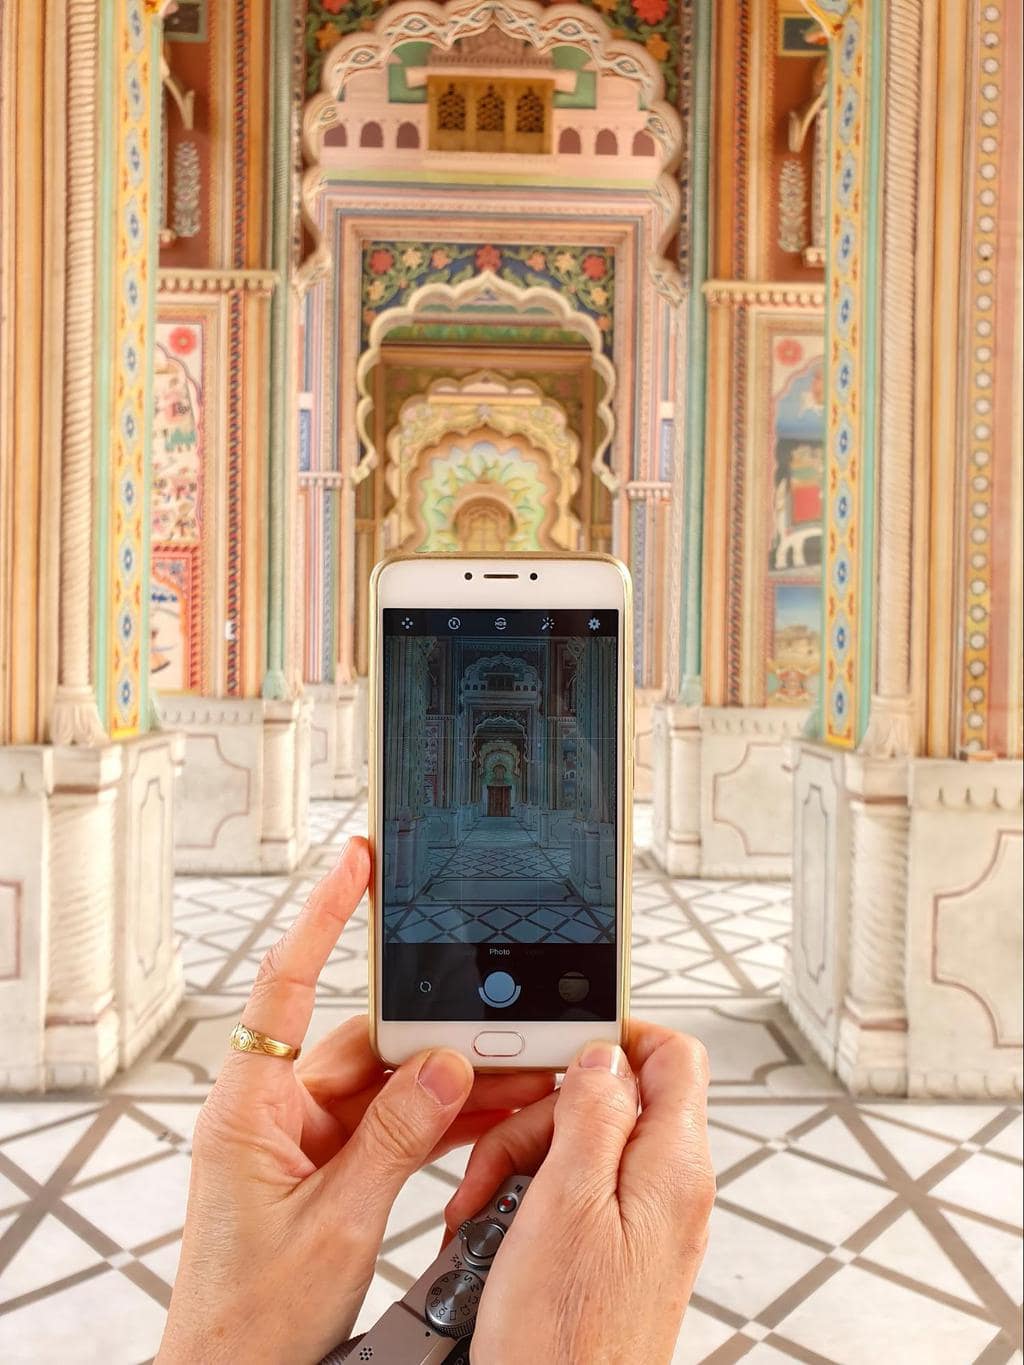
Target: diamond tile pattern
(844, 1232)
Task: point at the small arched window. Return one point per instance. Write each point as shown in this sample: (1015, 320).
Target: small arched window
(569, 143)
(371, 136)
(336, 136)
(643, 144)
(607, 143)
(408, 136)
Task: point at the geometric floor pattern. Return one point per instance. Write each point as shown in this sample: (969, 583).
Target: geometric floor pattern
(500, 885)
(847, 1232)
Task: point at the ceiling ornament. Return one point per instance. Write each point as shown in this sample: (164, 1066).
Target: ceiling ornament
(543, 28)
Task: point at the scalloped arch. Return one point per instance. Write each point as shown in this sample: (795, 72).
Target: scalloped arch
(450, 406)
(511, 297)
(544, 28)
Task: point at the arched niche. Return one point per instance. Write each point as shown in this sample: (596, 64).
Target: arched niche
(481, 402)
(543, 27)
(475, 294)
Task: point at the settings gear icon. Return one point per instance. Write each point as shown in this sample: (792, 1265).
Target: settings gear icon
(594, 623)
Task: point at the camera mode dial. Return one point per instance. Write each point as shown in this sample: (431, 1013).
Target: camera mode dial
(452, 1302)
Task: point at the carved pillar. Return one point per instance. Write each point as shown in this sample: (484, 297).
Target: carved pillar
(872, 1052)
(280, 488)
(890, 730)
(75, 718)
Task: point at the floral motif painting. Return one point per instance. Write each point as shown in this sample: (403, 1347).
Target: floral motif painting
(505, 478)
(177, 430)
(176, 504)
(653, 23)
(793, 663)
(586, 274)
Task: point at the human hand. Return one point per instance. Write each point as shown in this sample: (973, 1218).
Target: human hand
(599, 1265)
(296, 1165)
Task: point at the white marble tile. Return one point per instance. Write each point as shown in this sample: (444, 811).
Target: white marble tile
(178, 1119)
(700, 1335)
(747, 1266)
(764, 1120)
(916, 1152)
(41, 1153)
(857, 1318)
(1001, 1253)
(139, 1205)
(22, 1116)
(127, 1141)
(729, 1148)
(833, 1141)
(1009, 1141)
(51, 1253)
(803, 1194)
(421, 1199)
(10, 1194)
(956, 1121)
(105, 1320)
(986, 1184)
(908, 1248)
(763, 1354)
(164, 1261)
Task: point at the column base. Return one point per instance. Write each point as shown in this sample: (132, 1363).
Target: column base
(952, 963)
(338, 739)
(243, 801)
(89, 969)
(675, 788)
(721, 787)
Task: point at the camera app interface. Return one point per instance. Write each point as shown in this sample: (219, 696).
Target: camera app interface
(500, 800)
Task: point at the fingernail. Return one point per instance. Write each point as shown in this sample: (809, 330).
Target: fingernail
(344, 849)
(443, 1075)
(604, 1056)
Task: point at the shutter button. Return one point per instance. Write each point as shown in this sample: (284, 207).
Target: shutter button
(480, 1243)
(507, 1203)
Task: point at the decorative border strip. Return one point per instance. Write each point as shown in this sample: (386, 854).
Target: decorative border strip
(180, 281)
(983, 311)
(739, 292)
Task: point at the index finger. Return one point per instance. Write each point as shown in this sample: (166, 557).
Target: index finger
(284, 992)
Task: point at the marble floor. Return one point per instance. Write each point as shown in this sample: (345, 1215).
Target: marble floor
(882, 1233)
(500, 885)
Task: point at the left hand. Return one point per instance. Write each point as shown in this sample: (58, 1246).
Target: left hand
(296, 1165)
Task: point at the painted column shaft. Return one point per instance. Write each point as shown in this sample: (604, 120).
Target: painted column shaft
(75, 718)
(693, 456)
(890, 728)
(274, 681)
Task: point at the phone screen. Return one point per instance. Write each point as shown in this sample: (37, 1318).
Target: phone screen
(500, 801)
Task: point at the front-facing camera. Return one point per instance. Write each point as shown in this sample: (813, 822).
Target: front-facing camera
(533, 576)
(468, 575)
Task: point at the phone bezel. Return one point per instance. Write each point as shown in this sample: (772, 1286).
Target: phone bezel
(581, 581)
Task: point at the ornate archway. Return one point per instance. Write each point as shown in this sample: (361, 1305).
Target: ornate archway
(476, 293)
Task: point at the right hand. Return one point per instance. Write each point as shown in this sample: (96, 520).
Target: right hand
(599, 1264)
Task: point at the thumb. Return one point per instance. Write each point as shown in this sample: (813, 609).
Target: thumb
(400, 1129)
(595, 1114)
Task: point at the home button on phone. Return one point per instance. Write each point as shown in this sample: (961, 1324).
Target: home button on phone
(498, 1043)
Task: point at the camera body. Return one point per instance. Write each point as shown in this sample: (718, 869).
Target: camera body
(434, 1320)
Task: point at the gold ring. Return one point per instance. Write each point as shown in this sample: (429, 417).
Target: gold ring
(245, 1039)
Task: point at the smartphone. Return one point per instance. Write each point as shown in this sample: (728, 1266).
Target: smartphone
(501, 752)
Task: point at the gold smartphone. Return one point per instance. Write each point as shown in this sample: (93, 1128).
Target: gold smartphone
(501, 780)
